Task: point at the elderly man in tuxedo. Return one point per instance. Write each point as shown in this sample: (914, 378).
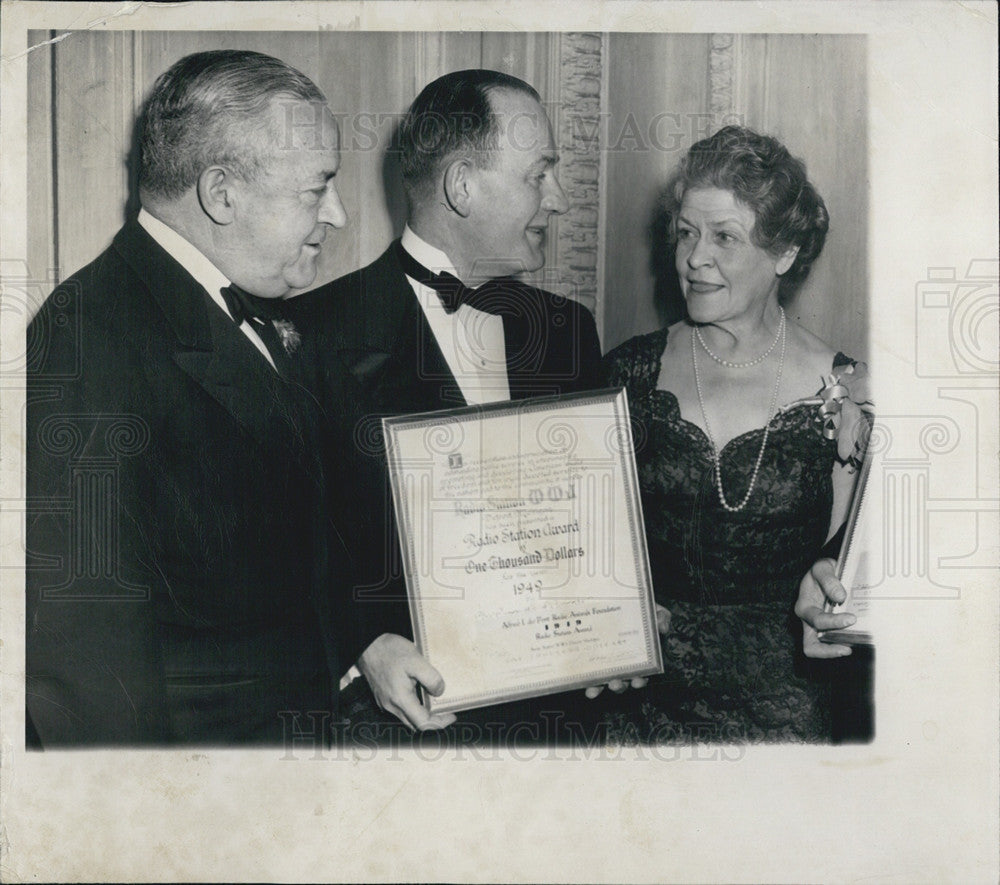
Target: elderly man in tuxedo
(440, 320)
(179, 546)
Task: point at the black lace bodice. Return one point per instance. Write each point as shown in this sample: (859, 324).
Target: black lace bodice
(732, 671)
(699, 551)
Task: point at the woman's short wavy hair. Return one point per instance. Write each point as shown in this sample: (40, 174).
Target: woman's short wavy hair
(760, 172)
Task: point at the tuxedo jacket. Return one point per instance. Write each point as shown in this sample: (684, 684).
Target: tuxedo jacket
(180, 555)
(373, 355)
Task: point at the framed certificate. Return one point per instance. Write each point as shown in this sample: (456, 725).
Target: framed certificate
(523, 546)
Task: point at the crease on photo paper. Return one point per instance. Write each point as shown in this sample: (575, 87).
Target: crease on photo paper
(125, 9)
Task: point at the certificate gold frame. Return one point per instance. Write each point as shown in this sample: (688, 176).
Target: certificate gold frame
(523, 546)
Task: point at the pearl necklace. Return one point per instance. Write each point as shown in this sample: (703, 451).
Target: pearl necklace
(748, 364)
(767, 427)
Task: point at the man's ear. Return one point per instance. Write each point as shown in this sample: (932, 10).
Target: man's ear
(785, 260)
(215, 194)
(458, 186)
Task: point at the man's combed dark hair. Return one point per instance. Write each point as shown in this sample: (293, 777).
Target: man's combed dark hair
(760, 172)
(452, 115)
(213, 108)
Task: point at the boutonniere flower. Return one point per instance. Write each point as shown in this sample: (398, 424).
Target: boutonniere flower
(288, 335)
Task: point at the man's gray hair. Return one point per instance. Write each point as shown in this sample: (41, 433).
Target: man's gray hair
(214, 108)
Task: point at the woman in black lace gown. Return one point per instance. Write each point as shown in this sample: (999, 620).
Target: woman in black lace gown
(746, 430)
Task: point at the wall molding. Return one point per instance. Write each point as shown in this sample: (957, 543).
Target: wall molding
(577, 120)
(721, 64)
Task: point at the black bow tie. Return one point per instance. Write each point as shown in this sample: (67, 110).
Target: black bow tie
(261, 314)
(244, 306)
(453, 293)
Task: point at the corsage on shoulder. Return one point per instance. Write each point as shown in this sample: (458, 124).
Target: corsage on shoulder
(844, 412)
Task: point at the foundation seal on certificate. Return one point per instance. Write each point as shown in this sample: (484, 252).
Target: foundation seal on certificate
(523, 546)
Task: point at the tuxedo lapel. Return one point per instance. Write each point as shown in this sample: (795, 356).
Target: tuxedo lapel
(395, 355)
(546, 343)
(525, 335)
(179, 298)
(236, 375)
(516, 328)
(215, 354)
(385, 344)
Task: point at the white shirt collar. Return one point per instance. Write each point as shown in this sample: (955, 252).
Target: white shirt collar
(185, 254)
(206, 274)
(429, 256)
(471, 342)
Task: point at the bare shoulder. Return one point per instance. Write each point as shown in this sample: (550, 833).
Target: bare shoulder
(808, 352)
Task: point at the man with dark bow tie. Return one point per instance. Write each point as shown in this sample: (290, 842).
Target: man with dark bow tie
(441, 320)
(179, 545)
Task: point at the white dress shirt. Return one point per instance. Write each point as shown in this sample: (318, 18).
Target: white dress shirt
(204, 272)
(471, 341)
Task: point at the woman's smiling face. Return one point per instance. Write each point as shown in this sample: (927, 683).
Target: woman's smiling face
(723, 274)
